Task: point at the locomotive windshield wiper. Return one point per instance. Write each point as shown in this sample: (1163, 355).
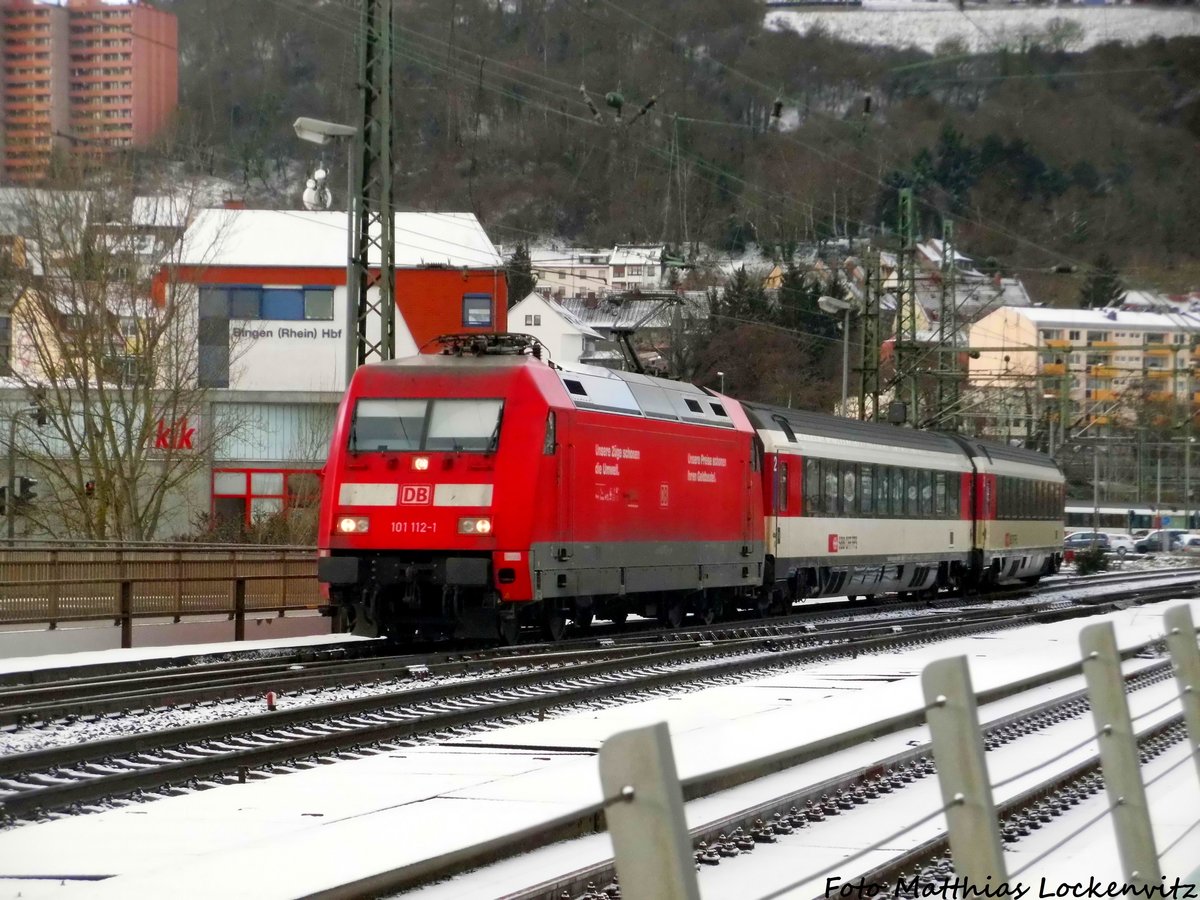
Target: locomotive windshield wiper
(493, 443)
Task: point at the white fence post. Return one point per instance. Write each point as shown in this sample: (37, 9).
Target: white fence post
(1185, 657)
(644, 809)
(953, 719)
(1119, 754)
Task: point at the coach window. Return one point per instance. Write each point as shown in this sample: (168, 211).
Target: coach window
(866, 487)
(550, 441)
(881, 490)
(832, 482)
(926, 494)
(849, 489)
(812, 487)
(912, 491)
(939, 495)
(898, 477)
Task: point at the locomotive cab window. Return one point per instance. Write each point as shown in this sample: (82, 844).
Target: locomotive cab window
(464, 425)
(387, 425)
(392, 425)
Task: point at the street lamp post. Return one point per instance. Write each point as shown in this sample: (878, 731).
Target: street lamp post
(835, 305)
(318, 131)
(721, 375)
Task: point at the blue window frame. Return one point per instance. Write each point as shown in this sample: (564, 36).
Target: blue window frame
(248, 301)
(283, 303)
(477, 311)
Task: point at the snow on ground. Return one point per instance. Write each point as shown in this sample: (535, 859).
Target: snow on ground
(243, 649)
(927, 25)
(294, 835)
(40, 736)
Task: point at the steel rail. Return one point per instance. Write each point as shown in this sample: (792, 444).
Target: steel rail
(782, 812)
(77, 699)
(507, 696)
(71, 696)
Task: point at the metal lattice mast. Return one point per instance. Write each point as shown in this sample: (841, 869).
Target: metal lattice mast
(373, 230)
(906, 307)
(868, 393)
(948, 371)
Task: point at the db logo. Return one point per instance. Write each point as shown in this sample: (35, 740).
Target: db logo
(416, 494)
(833, 543)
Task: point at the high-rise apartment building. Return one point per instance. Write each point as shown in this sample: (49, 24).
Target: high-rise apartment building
(85, 76)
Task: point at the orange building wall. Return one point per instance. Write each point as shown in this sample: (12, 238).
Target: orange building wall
(33, 45)
(89, 97)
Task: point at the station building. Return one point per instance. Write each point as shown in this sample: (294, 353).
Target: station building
(273, 326)
(266, 296)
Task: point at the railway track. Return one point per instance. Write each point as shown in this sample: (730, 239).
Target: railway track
(40, 697)
(858, 798)
(65, 778)
(815, 821)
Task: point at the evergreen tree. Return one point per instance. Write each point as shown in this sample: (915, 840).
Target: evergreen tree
(744, 298)
(1103, 285)
(798, 308)
(520, 277)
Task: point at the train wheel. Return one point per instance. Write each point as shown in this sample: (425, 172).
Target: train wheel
(582, 619)
(510, 630)
(674, 614)
(554, 624)
(619, 618)
(710, 612)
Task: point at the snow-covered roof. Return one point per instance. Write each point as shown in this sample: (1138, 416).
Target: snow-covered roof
(554, 308)
(934, 250)
(270, 237)
(1109, 319)
(21, 207)
(162, 211)
(566, 257)
(635, 256)
(653, 312)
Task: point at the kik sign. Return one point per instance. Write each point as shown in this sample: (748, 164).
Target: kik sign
(176, 435)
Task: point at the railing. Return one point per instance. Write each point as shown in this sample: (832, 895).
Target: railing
(644, 799)
(52, 583)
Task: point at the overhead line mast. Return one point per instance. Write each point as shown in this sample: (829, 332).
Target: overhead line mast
(372, 217)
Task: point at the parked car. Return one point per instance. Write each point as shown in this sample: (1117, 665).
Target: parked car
(1085, 540)
(1109, 541)
(1161, 539)
(1190, 543)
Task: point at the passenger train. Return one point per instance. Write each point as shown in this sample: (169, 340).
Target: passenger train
(482, 488)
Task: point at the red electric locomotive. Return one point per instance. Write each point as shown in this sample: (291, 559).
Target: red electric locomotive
(482, 488)
(476, 490)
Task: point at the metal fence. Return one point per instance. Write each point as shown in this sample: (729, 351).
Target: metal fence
(52, 583)
(644, 798)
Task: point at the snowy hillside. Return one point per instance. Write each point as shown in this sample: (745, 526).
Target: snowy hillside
(926, 25)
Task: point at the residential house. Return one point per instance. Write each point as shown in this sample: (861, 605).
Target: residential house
(570, 271)
(1099, 366)
(564, 335)
(636, 268)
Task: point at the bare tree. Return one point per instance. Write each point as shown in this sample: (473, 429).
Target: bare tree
(106, 346)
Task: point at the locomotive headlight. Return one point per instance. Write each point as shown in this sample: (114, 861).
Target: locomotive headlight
(479, 525)
(420, 463)
(352, 525)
